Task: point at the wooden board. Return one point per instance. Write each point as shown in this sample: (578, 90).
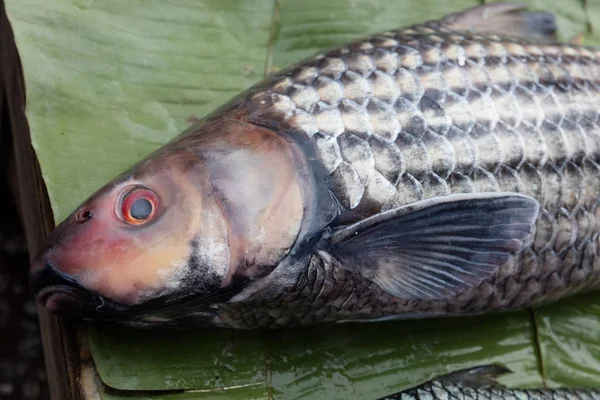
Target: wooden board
(60, 346)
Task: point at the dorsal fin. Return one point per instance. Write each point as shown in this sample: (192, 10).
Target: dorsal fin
(505, 19)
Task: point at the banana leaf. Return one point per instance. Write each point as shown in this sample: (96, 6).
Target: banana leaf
(109, 81)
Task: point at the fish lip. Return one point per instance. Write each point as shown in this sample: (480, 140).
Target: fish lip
(64, 296)
(54, 298)
(42, 294)
(58, 292)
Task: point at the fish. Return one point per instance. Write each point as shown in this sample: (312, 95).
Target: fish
(480, 382)
(447, 168)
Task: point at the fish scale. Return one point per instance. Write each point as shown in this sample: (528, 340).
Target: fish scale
(327, 293)
(434, 137)
(480, 383)
(437, 141)
(422, 112)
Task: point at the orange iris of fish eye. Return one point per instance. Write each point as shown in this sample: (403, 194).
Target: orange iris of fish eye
(139, 206)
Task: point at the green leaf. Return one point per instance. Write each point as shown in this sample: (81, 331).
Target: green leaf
(234, 393)
(372, 360)
(569, 333)
(330, 362)
(189, 360)
(109, 81)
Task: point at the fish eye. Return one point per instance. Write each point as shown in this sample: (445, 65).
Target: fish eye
(138, 206)
(141, 209)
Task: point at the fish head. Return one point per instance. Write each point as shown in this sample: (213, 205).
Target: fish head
(181, 224)
(131, 241)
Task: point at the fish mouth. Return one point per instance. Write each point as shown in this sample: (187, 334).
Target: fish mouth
(59, 293)
(62, 295)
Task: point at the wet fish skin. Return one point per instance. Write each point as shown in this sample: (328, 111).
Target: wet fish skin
(479, 383)
(343, 151)
(420, 112)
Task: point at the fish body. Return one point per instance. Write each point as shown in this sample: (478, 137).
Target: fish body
(446, 168)
(480, 383)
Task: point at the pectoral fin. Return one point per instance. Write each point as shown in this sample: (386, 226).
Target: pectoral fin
(439, 247)
(506, 19)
